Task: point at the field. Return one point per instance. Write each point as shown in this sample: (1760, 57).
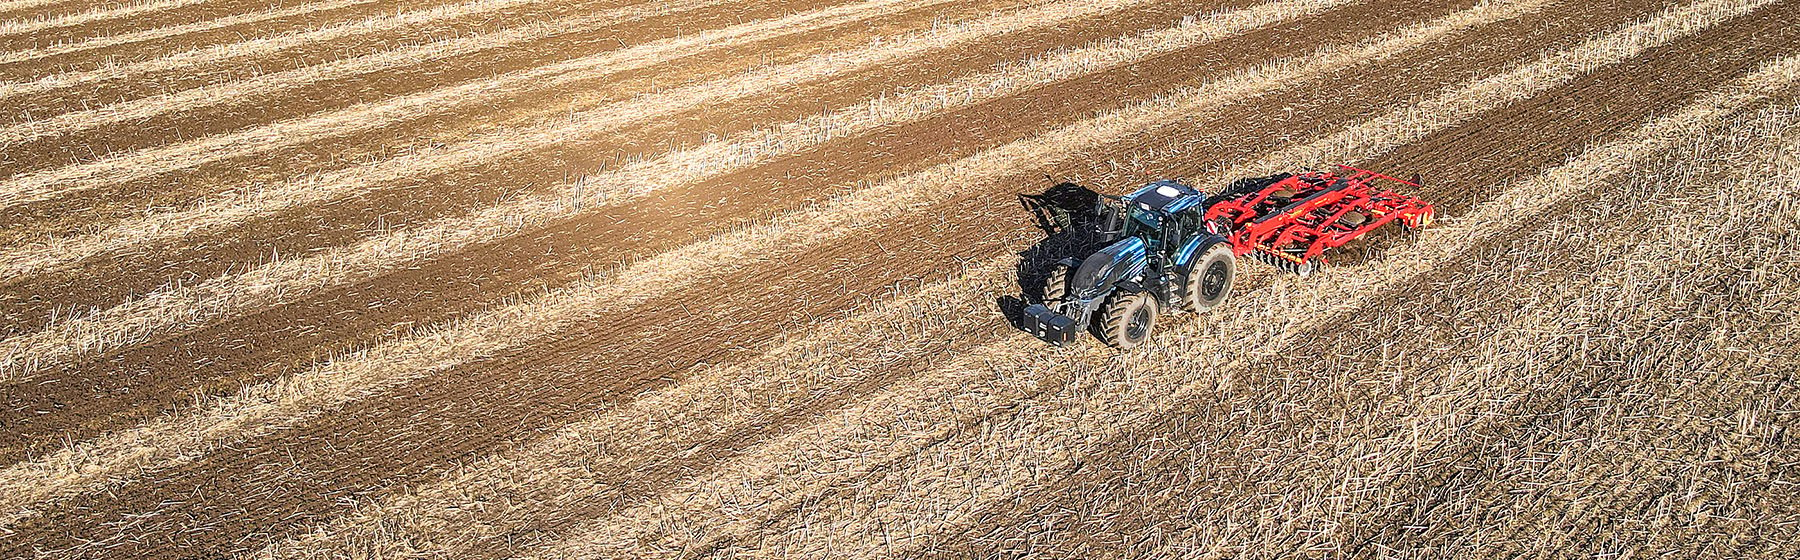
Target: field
(736, 279)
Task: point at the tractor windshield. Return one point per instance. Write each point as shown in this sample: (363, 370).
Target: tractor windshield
(1142, 220)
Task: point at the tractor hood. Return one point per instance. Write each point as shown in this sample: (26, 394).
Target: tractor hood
(1106, 267)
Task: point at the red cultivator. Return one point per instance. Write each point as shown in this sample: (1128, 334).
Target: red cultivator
(1289, 220)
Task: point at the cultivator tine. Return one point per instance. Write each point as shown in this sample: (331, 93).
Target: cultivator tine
(1285, 262)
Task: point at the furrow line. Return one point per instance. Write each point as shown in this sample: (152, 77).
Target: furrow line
(74, 122)
(707, 411)
(217, 53)
(241, 206)
(172, 440)
(851, 456)
(179, 308)
(27, 25)
(151, 162)
(16, 5)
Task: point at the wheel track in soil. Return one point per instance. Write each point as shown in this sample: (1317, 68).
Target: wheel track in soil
(66, 130)
(776, 531)
(1104, 493)
(636, 229)
(1683, 70)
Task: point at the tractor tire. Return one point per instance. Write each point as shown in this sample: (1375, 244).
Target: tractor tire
(1056, 285)
(1209, 282)
(1130, 319)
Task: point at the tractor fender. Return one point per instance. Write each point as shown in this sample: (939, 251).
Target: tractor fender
(1101, 271)
(1184, 258)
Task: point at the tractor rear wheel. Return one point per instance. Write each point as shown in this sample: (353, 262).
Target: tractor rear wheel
(1209, 282)
(1130, 318)
(1056, 285)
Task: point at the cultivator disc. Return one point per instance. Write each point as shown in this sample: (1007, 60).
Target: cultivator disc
(1289, 221)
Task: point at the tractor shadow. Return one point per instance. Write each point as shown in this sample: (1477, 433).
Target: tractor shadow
(1065, 213)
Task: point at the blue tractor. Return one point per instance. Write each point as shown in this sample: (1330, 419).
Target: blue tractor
(1159, 254)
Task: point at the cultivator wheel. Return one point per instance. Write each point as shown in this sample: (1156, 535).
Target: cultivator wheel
(1130, 318)
(1210, 280)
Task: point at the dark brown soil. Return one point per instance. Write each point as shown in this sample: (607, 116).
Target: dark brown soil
(379, 445)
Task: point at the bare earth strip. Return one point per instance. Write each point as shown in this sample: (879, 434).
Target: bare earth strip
(142, 164)
(28, 25)
(170, 226)
(16, 5)
(947, 468)
(215, 53)
(90, 17)
(344, 380)
(264, 46)
(74, 122)
(287, 280)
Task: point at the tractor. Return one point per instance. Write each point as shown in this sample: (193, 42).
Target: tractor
(1168, 246)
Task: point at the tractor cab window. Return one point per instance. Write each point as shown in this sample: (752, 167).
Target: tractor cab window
(1143, 220)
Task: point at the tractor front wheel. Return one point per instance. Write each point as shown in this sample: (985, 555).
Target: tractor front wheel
(1130, 318)
(1208, 283)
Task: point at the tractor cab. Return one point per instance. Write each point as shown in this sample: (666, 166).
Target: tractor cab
(1151, 207)
(1167, 215)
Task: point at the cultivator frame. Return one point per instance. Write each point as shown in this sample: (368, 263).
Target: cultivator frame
(1289, 221)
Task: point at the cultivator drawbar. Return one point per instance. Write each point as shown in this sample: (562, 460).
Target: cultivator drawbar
(1289, 221)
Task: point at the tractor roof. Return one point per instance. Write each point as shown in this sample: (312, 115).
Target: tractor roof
(1166, 196)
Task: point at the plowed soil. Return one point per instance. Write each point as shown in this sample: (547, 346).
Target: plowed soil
(1582, 384)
